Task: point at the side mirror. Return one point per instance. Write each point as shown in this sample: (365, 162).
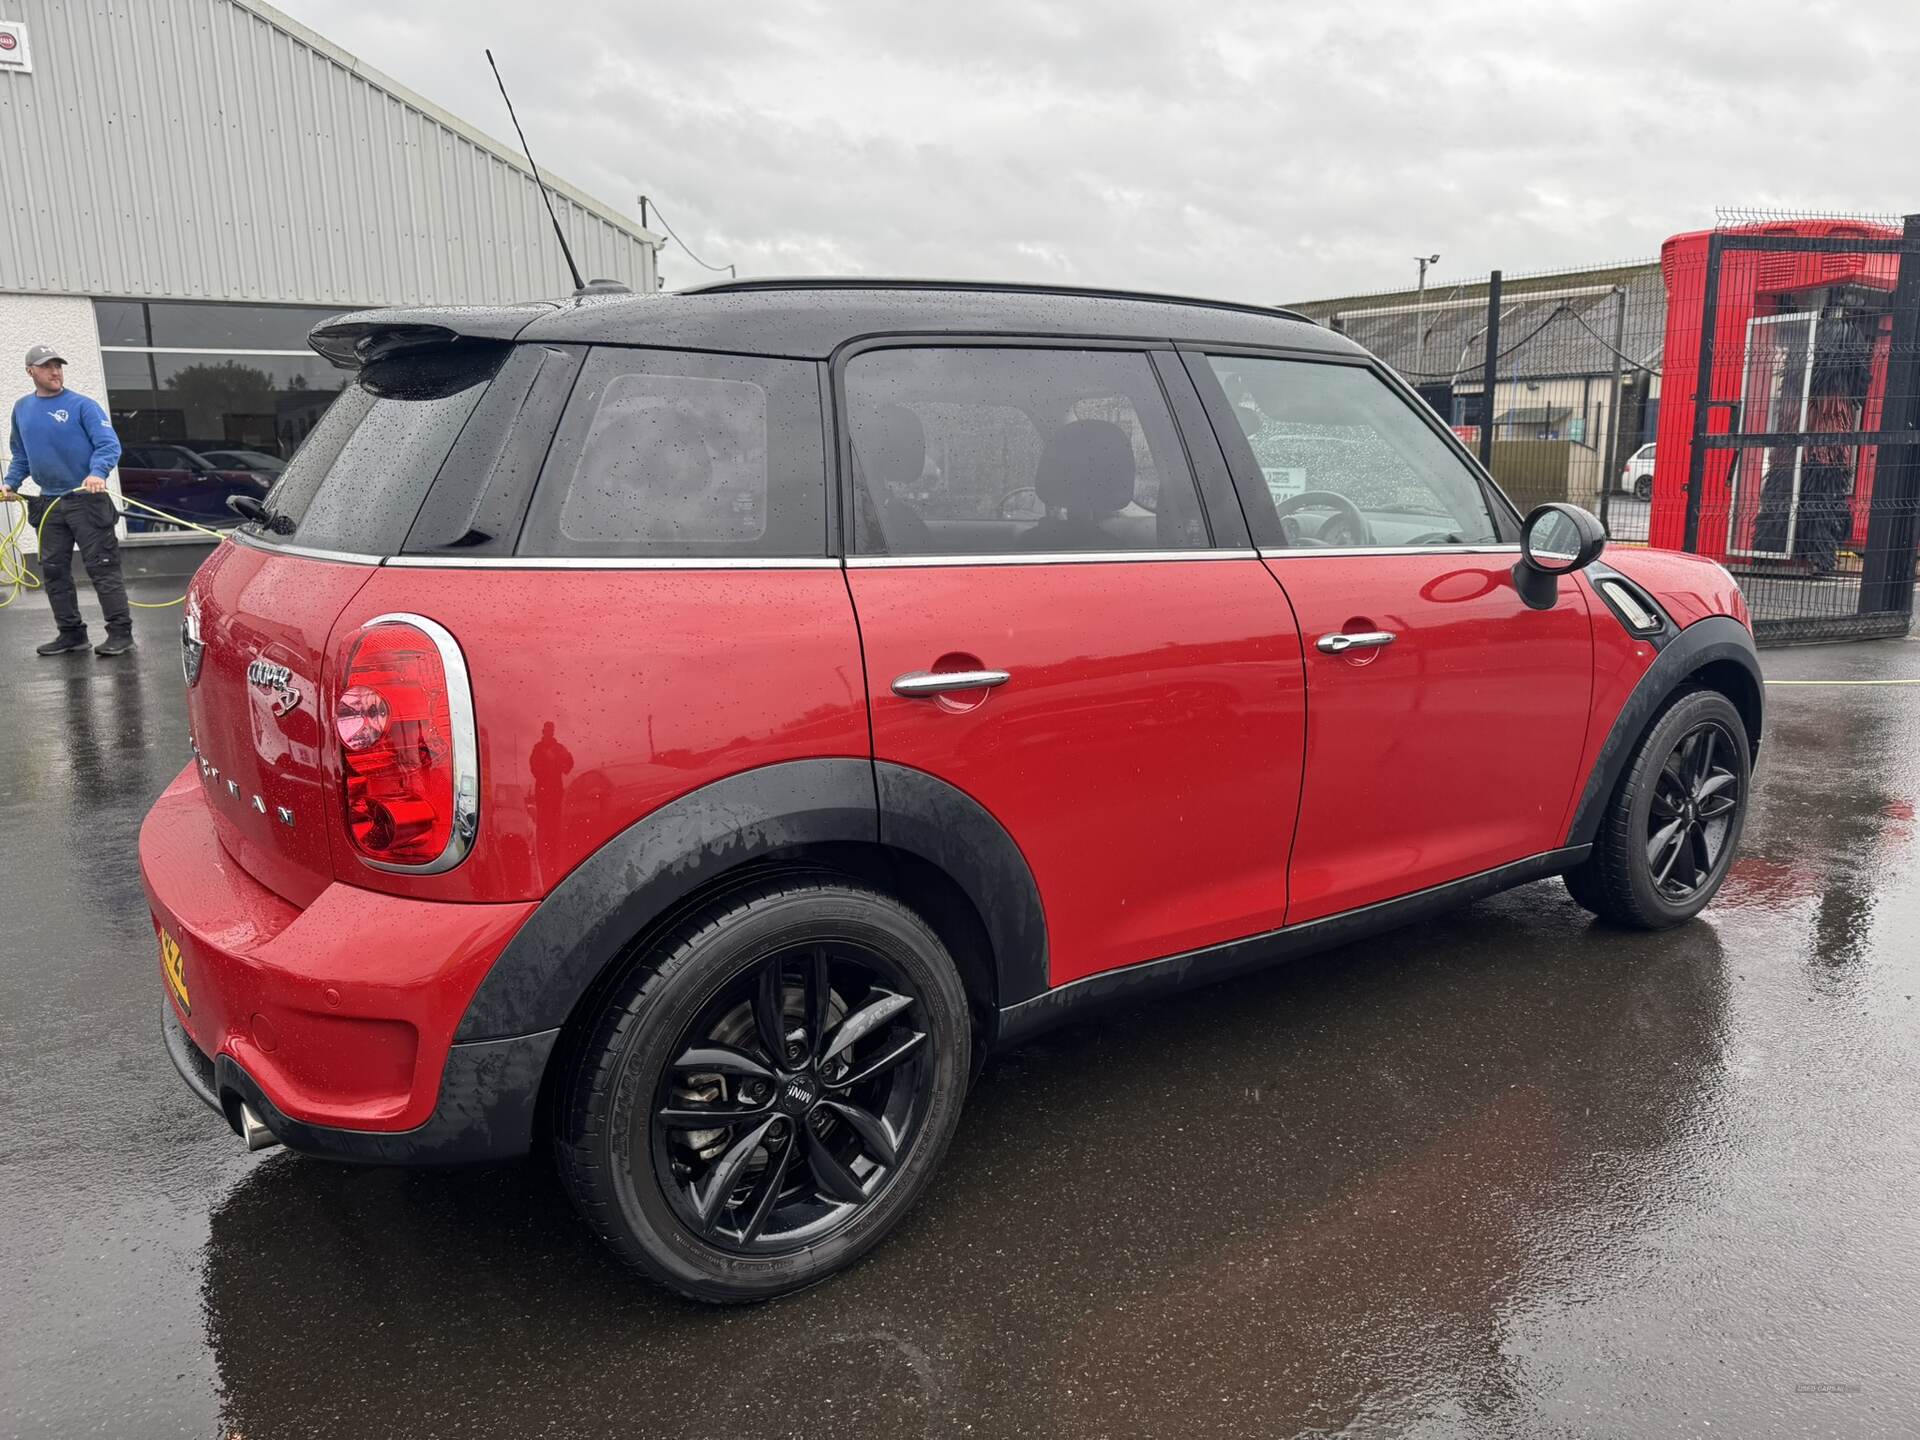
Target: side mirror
(1555, 540)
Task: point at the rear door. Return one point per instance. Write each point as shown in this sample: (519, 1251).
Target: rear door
(667, 615)
(1446, 719)
(260, 611)
(1027, 514)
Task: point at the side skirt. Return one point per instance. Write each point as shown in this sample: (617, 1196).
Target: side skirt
(1238, 957)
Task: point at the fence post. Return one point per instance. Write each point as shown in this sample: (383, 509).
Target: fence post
(1492, 371)
(1703, 397)
(1886, 572)
(1612, 462)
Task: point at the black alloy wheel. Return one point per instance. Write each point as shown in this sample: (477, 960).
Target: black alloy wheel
(768, 1088)
(777, 1137)
(1696, 796)
(1668, 835)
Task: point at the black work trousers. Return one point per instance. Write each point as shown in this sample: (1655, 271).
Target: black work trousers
(84, 520)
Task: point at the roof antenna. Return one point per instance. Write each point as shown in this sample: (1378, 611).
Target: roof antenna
(580, 286)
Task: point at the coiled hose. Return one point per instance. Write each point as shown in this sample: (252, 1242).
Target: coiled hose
(16, 579)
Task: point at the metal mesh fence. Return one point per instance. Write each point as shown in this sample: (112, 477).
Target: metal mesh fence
(1750, 395)
(1577, 377)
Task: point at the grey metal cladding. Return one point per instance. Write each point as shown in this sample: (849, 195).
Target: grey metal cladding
(218, 149)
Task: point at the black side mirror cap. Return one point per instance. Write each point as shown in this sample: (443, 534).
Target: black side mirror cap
(1555, 539)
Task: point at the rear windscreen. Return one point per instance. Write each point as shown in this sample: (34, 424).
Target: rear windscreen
(359, 478)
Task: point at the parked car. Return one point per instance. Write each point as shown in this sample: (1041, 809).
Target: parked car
(183, 482)
(660, 729)
(258, 461)
(1636, 476)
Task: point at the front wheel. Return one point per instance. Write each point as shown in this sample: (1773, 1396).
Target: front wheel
(760, 1107)
(1669, 833)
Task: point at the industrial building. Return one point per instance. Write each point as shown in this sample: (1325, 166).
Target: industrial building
(244, 178)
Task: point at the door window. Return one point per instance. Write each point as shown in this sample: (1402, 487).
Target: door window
(664, 454)
(1343, 462)
(990, 451)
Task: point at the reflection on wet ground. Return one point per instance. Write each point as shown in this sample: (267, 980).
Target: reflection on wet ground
(1503, 1174)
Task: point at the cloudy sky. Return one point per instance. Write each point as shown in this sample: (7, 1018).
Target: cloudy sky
(1264, 151)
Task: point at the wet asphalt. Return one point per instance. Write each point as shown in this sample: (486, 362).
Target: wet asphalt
(1506, 1174)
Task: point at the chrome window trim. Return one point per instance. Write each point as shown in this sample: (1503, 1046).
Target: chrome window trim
(466, 748)
(611, 562)
(856, 562)
(1065, 557)
(1305, 553)
(305, 552)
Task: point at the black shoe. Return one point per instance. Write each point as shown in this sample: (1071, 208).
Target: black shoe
(63, 645)
(113, 645)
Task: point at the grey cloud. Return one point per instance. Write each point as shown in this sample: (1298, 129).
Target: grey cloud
(1258, 150)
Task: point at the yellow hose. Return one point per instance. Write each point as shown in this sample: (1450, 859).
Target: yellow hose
(17, 579)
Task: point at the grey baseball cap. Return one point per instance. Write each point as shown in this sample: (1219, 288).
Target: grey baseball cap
(41, 354)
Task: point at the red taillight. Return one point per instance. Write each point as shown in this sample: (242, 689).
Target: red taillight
(406, 744)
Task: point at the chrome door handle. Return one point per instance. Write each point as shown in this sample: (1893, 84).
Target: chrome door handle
(1365, 640)
(916, 684)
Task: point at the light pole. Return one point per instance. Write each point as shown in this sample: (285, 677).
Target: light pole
(1419, 302)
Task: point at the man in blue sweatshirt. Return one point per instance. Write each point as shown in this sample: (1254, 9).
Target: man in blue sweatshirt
(66, 442)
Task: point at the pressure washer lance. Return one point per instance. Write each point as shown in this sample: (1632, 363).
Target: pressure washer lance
(17, 579)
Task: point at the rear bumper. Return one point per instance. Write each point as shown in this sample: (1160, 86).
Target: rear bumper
(334, 1023)
(488, 1093)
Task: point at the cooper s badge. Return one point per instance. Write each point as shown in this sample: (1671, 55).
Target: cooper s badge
(278, 680)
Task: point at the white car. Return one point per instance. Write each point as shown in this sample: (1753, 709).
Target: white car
(1636, 476)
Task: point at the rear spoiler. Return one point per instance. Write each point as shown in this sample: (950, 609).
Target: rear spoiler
(352, 340)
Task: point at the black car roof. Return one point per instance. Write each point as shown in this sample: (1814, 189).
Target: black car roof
(810, 318)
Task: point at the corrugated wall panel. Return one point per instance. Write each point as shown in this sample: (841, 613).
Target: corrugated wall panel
(205, 149)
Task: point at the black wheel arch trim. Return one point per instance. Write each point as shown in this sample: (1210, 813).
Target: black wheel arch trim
(593, 915)
(1717, 639)
(925, 816)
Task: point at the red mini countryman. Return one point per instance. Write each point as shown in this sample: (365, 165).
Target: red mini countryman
(689, 731)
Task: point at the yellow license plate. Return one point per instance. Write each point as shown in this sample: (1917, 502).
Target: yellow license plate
(174, 966)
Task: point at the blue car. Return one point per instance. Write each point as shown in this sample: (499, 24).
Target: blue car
(183, 482)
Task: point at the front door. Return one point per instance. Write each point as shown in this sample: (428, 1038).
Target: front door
(1445, 718)
(1027, 517)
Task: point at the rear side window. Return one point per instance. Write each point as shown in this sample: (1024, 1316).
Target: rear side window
(983, 450)
(667, 454)
(357, 481)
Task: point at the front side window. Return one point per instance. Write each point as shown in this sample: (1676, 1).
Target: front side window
(987, 450)
(1343, 462)
(663, 454)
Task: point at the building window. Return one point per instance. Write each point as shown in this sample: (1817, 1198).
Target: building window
(210, 400)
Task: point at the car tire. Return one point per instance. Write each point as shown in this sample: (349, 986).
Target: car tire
(1643, 488)
(1672, 826)
(749, 1209)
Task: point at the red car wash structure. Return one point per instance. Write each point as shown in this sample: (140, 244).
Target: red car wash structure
(1798, 470)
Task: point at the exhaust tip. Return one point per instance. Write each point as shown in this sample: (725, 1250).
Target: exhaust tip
(254, 1130)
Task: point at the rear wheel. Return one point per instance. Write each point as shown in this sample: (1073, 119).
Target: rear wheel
(1643, 488)
(1669, 833)
(760, 1107)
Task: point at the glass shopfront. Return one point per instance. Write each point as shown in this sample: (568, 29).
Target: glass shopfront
(209, 399)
